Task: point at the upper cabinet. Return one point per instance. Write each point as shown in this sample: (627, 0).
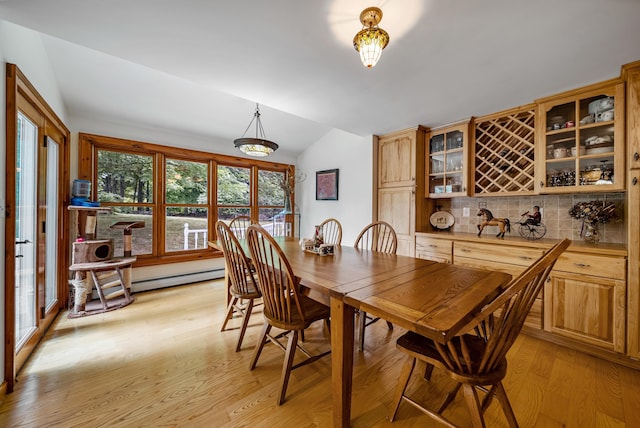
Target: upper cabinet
(581, 140)
(631, 74)
(447, 159)
(397, 159)
(504, 152)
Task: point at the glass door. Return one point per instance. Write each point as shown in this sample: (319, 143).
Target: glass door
(51, 224)
(25, 233)
(37, 159)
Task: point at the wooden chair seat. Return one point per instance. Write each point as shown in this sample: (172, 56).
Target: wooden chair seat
(251, 291)
(313, 311)
(478, 361)
(424, 349)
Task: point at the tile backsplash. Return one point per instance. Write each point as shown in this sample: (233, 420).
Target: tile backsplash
(555, 214)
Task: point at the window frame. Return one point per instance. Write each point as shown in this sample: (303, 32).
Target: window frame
(87, 170)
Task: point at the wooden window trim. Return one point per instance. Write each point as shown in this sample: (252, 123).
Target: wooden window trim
(87, 155)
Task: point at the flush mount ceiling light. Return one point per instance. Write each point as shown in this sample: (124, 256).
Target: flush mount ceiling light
(371, 39)
(257, 146)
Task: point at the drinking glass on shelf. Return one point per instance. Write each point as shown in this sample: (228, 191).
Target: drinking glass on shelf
(451, 164)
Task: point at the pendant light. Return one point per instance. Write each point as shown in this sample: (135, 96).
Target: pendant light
(257, 146)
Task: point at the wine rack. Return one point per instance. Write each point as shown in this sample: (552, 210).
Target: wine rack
(505, 152)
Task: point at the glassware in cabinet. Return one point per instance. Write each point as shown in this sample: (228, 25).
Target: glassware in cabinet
(447, 161)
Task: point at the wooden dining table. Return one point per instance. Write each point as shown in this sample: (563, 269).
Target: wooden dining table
(429, 298)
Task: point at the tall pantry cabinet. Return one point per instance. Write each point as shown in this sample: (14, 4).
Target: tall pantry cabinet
(631, 74)
(399, 184)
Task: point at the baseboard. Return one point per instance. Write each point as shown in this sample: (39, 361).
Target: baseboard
(173, 280)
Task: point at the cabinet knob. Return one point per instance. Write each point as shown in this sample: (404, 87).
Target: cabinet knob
(541, 183)
(634, 181)
(636, 156)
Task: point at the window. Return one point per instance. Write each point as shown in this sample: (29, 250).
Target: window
(179, 195)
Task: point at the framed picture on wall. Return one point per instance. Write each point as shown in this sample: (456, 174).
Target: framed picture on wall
(327, 185)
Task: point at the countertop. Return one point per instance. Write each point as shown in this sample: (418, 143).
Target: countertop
(619, 250)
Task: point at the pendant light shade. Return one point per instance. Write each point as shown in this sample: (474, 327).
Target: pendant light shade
(257, 146)
(371, 40)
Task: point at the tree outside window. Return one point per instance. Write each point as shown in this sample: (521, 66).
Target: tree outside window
(178, 193)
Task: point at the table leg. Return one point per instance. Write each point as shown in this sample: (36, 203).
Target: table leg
(341, 361)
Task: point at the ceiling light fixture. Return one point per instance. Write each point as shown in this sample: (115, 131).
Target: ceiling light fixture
(257, 146)
(370, 40)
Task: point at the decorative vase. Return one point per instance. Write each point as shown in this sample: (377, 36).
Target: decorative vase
(590, 232)
(287, 204)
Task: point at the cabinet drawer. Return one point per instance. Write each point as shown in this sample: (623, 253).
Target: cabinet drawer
(440, 258)
(513, 270)
(497, 253)
(587, 264)
(425, 244)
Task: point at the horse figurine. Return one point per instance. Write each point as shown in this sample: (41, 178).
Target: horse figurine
(489, 220)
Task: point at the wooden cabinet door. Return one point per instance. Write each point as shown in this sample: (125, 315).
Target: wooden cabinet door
(396, 207)
(447, 161)
(586, 308)
(633, 254)
(631, 73)
(397, 159)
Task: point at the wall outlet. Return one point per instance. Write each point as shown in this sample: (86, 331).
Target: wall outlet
(465, 212)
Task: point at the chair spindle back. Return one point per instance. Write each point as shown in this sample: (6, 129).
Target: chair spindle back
(378, 236)
(278, 284)
(238, 265)
(331, 231)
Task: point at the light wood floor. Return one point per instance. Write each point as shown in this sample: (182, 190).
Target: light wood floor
(163, 362)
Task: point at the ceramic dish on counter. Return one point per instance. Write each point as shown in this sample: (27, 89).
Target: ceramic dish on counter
(442, 220)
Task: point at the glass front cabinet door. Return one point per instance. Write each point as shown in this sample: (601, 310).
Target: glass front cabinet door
(447, 155)
(581, 139)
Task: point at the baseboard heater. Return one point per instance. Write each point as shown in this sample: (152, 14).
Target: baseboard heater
(180, 279)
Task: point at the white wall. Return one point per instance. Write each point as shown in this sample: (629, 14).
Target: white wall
(24, 48)
(352, 155)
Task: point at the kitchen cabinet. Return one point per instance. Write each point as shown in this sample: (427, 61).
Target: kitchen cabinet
(447, 161)
(502, 258)
(581, 140)
(584, 299)
(504, 152)
(399, 194)
(397, 159)
(631, 75)
(397, 207)
(438, 250)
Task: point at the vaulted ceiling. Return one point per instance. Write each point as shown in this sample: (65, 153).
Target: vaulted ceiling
(199, 66)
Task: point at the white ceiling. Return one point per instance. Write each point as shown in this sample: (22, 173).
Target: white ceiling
(199, 66)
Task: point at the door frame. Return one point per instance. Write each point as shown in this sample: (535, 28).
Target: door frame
(18, 90)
